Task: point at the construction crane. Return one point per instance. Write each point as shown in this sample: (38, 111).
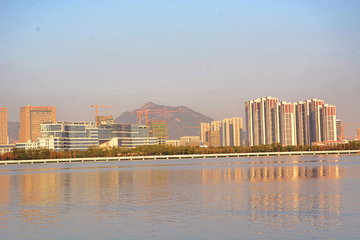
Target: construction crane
(96, 112)
(342, 130)
(151, 111)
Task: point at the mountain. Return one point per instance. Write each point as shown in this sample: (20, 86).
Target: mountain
(13, 131)
(182, 122)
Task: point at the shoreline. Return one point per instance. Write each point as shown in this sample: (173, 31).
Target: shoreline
(174, 157)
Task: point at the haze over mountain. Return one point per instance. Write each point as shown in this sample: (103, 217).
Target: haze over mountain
(182, 122)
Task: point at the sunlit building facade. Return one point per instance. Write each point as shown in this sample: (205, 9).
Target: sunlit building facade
(190, 141)
(262, 121)
(215, 125)
(27, 145)
(328, 119)
(338, 129)
(231, 131)
(5, 148)
(302, 110)
(271, 109)
(175, 143)
(228, 132)
(315, 120)
(3, 126)
(125, 135)
(301, 123)
(204, 136)
(253, 113)
(30, 120)
(68, 136)
(214, 135)
(287, 124)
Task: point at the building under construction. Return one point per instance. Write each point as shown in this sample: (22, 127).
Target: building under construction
(105, 119)
(158, 129)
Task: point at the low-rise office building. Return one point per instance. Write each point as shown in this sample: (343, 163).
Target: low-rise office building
(27, 145)
(175, 143)
(66, 136)
(5, 148)
(125, 135)
(190, 141)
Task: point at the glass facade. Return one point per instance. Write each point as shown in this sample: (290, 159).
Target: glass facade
(69, 136)
(127, 135)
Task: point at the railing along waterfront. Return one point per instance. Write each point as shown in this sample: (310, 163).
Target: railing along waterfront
(168, 157)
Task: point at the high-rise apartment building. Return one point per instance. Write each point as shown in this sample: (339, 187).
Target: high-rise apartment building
(252, 115)
(262, 120)
(271, 109)
(215, 125)
(315, 120)
(3, 126)
(338, 129)
(214, 135)
(302, 110)
(214, 138)
(204, 129)
(300, 123)
(328, 123)
(228, 132)
(231, 131)
(237, 129)
(30, 119)
(287, 124)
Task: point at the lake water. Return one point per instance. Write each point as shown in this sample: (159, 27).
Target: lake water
(225, 198)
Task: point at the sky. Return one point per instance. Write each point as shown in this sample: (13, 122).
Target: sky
(210, 56)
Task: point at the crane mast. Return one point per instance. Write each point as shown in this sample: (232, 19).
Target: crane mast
(342, 130)
(96, 112)
(151, 111)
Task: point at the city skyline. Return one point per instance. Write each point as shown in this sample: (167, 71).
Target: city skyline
(211, 57)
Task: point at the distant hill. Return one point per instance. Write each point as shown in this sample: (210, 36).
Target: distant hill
(180, 123)
(13, 131)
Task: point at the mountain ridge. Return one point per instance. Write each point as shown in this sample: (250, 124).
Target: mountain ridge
(183, 122)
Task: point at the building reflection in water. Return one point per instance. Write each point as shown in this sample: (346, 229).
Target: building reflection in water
(272, 197)
(281, 197)
(4, 198)
(38, 194)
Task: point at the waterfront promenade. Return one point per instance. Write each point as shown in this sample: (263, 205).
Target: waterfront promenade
(174, 157)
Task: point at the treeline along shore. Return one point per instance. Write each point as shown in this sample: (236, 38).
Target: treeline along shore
(153, 150)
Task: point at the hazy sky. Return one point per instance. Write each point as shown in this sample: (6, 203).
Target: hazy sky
(210, 56)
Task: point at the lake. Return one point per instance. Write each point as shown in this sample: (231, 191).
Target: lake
(305, 197)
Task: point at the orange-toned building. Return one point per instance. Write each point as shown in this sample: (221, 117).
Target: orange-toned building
(3, 126)
(30, 119)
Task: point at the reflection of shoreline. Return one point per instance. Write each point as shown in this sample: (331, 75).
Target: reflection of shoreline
(269, 174)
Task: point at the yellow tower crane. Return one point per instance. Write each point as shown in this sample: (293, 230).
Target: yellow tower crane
(342, 130)
(96, 112)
